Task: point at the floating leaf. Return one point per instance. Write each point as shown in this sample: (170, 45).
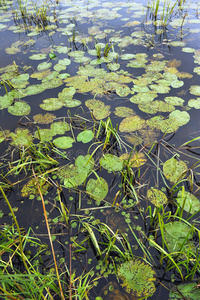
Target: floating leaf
(155, 106)
(123, 90)
(19, 109)
(97, 189)
(175, 234)
(30, 188)
(111, 163)
(113, 66)
(187, 291)
(156, 197)
(59, 128)
(44, 119)
(195, 90)
(63, 142)
(100, 110)
(21, 137)
(44, 66)
(52, 55)
(136, 160)
(74, 175)
(194, 103)
(51, 104)
(39, 56)
(123, 111)
(85, 136)
(130, 124)
(189, 202)
(137, 278)
(174, 100)
(174, 170)
(44, 135)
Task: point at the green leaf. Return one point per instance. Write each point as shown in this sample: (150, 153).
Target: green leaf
(111, 163)
(97, 189)
(131, 124)
(156, 197)
(85, 136)
(63, 142)
(19, 109)
(137, 278)
(174, 170)
(189, 202)
(187, 291)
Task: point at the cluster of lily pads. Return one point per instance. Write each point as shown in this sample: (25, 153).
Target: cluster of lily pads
(91, 66)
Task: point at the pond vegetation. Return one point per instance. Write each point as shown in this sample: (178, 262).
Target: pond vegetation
(99, 150)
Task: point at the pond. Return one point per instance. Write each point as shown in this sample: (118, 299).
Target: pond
(99, 141)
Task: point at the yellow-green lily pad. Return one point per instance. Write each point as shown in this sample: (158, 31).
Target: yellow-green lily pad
(174, 170)
(156, 197)
(51, 104)
(131, 124)
(188, 202)
(19, 109)
(85, 136)
(111, 163)
(97, 189)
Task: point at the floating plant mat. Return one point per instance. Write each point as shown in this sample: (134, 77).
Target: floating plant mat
(81, 85)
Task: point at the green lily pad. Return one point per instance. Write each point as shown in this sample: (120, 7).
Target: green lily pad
(74, 175)
(155, 106)
(44, 135)
(142, 98)
(21, 137)
(195, 90)
(137, 278)
(194, 103)
(63, 142)
(113, 66)
(175, 234)
(123, 111)
(177, 101)
(6, 101)
(51, 104)
(59, 127)
(85, 136)
(187, 291)
(65, 61)
(30, 188)
(177, 84)
(97, 189)
(156, 197)
(179, 117)
(39, 56)
(131, 124)
(174, 170)
(189, 202)
(111, 163)
(44, 66)
(100, 110)
(19, 109)
(71, 103)
(123, 90)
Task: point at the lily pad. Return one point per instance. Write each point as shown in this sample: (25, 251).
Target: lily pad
(188, 201)
(85, 136)
(74, 175)
(44, 119)
(177, 101)
(187, 291)
(100, 110)
(21, 137)
(136, 160)
(63, 142)
(111, 163)
(131, 124)
(97, 189)
(39, 56)
(137, 278)
(174, 170)
(123, 90)
(19, 109)
(30, 188)
(195, 90)
(194, 103)
(123, 111)
(59, 127)
(51, 104)
(175, 234)
(156, 197)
